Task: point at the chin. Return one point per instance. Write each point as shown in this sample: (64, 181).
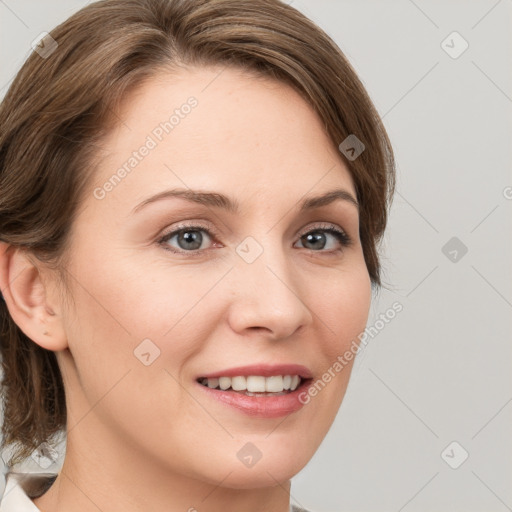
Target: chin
(278, 468)
(257, 479)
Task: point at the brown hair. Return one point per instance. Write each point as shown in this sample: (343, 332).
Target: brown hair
(59, 107)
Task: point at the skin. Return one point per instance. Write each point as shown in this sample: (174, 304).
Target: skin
(146, 437)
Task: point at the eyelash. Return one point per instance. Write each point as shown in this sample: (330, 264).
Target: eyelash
(343, 238)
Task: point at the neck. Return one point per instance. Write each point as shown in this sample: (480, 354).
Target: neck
(124, 483)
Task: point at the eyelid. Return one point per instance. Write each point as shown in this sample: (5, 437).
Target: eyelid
(189, 224)
(323, 226)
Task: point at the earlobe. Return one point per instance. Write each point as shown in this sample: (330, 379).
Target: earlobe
(29, 301)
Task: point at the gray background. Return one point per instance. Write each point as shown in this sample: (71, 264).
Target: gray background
(440, 371)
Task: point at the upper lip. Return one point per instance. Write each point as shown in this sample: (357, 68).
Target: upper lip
(265, 370)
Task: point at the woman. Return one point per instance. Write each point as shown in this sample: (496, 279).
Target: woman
(192, 195)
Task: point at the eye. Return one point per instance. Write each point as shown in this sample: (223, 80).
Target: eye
(317, 238)
(189, 239)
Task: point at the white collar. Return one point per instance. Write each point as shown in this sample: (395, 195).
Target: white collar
(19, 488)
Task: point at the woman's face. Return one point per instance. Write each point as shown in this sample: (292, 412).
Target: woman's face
(156, 310)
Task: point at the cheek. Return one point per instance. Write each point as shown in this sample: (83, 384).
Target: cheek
(343, 309)
(173, 308)
(118, 319)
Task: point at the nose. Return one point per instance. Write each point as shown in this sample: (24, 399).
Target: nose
(268, 296)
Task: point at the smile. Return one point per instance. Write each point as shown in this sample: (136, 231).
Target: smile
(257, 404)
(254, 385)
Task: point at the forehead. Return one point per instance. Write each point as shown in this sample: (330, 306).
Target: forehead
(220, 128)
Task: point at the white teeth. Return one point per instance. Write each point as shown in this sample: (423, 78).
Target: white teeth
(212, 383)
(274, 384)
(224, 382)
(255, 383)
(238, 383)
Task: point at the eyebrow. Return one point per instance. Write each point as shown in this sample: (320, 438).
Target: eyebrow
(218, 200)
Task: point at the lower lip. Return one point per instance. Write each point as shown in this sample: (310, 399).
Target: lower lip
(260, 406)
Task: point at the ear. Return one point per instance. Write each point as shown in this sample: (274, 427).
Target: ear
(34, 307)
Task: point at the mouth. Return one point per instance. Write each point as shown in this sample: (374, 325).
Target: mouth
(258, 390)
(255, 385)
